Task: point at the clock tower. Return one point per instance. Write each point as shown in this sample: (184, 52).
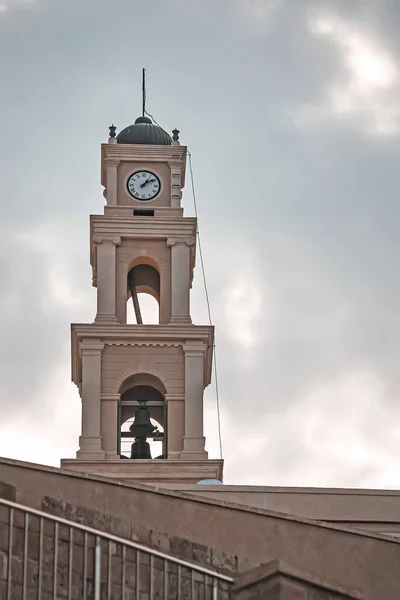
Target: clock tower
(142, 385)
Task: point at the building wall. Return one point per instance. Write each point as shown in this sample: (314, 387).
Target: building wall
(230, 537)
(371, 510)
(164, 362)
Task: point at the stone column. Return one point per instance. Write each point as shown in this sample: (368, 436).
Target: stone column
(109, 425)
(180, 279)
(90, 441)
(106, 278)
(194, 440)
(111, 186)
(175, 423)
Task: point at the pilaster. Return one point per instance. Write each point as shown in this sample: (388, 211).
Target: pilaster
(111, 180)
(181, 278)
(194, 440)
(109, 425)
(90, 444)
(176, 424)
(106, 278)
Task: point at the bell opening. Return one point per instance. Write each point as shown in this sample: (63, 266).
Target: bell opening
(143, 295)
(142, 417)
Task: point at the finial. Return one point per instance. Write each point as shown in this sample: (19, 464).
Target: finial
(112, 129)
(175, 135)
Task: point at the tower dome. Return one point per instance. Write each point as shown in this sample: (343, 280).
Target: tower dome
(143, 131)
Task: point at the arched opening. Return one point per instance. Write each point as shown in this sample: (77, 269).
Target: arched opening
(143, 303)
(141, 404)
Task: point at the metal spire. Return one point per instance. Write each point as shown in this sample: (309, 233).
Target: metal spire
(143, 92)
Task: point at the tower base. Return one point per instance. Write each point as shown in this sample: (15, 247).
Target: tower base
(151, 471)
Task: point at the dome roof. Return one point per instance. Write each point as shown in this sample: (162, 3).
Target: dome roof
(143, 131)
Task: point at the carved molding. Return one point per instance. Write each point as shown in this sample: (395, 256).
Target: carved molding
(194, 350)
(174, 398)
(110, 397)
(188, 241)
(91, 347)
(116, 240)
(112, 162)
(145, 344)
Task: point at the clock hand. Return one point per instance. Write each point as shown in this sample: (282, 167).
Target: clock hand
(146, 182)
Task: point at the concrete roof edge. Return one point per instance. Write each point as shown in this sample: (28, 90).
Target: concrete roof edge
(279, 567)
(155, 489)
(298, 490)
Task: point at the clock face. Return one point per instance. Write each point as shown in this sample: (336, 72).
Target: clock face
(143, 185)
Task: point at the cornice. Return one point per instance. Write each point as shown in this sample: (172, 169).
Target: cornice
(115, 334)
(118, 331)
(118, 228)
(110, 226)
(166, 223)
(179, 471)
(143, 151)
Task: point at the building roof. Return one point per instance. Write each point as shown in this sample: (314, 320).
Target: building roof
(143, 131)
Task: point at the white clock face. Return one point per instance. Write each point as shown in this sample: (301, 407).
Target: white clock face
(143, 185)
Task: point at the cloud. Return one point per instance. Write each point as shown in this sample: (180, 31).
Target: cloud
(56, 406)
(258, 13)
(332, 435)
(369, 90)
(7, 5)
(299, 231)
(243, 305)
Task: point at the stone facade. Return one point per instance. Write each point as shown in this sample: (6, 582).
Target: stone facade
(152, 243)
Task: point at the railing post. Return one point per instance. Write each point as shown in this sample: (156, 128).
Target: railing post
(215, 589)
(97, 568)
(60, 569)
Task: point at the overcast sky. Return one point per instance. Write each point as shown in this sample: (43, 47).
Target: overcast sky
(291, 110)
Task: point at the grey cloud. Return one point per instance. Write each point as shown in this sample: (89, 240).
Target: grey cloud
(317, 209)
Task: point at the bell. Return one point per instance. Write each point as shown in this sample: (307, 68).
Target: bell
(140, 449)
(142, 426)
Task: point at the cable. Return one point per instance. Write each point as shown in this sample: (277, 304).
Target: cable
(208, 306)
(158, 124)
(205, 289)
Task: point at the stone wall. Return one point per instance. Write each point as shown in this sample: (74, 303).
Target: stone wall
(56, 563)
(225, 536)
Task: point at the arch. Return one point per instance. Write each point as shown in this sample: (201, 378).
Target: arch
(143, 260)
(140, 389)
(144, 278)
(142, 379)
(145, 394)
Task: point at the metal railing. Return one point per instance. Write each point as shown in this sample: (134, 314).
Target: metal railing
(46, 557)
